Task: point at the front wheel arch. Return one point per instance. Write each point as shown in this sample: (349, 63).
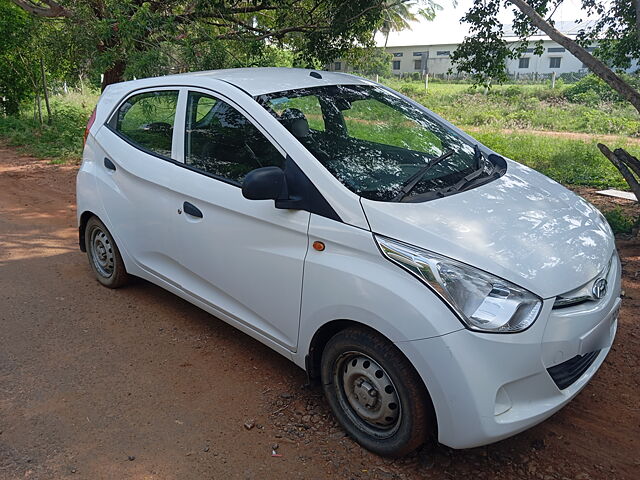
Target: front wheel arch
(320, 339)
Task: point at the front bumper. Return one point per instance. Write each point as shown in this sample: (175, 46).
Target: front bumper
(487, 387)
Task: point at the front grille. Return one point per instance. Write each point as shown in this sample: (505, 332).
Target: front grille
(565, 373)
(585, 292)
(562, 302)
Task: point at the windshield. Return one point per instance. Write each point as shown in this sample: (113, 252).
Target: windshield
(375, 142)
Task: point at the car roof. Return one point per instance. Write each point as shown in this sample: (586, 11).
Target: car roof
(255, 81)
(261, 80)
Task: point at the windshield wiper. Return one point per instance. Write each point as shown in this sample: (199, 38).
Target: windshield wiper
(414, 179)
(463, 182)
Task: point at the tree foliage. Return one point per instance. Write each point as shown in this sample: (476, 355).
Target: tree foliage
(617, 30)
(397, 16)
(126, 38)
(485, 51)
(15, 87)
(370, 61)
(26, 40)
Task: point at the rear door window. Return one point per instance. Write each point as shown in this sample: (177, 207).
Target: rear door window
(147, 120)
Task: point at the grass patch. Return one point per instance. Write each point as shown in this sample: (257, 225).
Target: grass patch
(619, 221)
(62, 140)
(535, 107)
(568, 161)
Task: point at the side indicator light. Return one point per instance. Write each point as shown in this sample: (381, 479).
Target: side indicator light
(319, 246)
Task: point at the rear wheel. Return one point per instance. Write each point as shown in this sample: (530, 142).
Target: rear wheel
(375, 393)
(104, 256)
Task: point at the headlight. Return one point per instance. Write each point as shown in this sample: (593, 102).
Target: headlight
(484, 302)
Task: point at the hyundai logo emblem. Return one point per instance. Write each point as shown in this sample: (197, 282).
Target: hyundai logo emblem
(599, 289)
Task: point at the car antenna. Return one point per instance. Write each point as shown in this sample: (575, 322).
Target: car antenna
(315, 75)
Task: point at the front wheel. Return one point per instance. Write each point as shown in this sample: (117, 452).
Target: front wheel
(104, 256)
(375, 393)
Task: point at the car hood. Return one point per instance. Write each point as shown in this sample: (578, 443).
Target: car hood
(523, 227)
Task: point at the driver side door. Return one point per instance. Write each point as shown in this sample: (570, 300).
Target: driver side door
(244, 258)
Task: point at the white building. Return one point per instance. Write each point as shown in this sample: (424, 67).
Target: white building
(435, 60)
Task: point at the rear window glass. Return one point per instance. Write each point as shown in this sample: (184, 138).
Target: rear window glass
(147, 120)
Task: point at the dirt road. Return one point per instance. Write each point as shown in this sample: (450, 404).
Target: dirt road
(138, 384)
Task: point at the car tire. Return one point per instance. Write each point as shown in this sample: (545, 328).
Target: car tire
(104, 256)
(375, 393)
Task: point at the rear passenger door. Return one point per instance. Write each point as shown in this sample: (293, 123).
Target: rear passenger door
(244, 257)
(134, 177)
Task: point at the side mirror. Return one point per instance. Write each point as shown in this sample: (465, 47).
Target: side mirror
(264, 183)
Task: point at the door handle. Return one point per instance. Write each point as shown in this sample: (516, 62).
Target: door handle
(191, 209)
(109, 165)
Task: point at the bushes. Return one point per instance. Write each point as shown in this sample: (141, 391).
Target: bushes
(619, 222)
(521, 107)
(592, 91)
(62, 140)
(412, 89)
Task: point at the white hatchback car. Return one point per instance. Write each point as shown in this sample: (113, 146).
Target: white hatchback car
(430, 284)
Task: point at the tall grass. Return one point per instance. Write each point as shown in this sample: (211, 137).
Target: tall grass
(534, 107)
(568, 161)
(62, 139)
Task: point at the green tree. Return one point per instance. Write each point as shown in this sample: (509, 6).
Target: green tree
(31, 51)
(125, 38)
(16, 71)
(396, 16)
(370, 61)
(616, 31)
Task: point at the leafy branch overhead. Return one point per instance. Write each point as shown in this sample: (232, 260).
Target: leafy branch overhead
(142, 38)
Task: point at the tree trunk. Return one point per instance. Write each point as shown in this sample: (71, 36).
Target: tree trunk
(114, 74)
(50, 9)
(39, 109)
(595, 65)
(46, 93)
(632, 162)
(623, 162)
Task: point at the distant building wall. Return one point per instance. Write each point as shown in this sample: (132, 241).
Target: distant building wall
(435, 60)
(554, 58)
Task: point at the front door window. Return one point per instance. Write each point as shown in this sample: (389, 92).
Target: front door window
(222, 142)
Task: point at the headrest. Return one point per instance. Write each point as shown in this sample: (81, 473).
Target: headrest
(295, 121)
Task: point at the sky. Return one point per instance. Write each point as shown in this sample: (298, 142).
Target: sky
(447, 28)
